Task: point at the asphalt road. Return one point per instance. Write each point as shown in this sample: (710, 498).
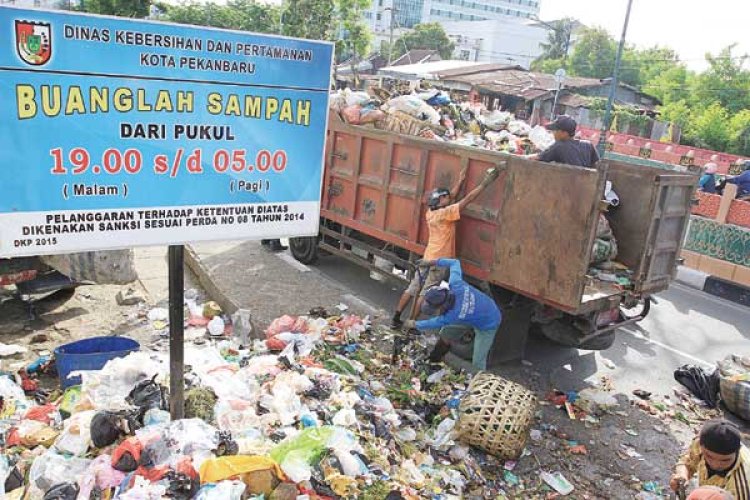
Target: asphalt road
(685, 326)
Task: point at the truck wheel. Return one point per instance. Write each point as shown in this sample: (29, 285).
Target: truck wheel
(566, 334)
(641, 308)
(304, 249)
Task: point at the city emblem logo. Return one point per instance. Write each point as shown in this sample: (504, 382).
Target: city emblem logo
(34, 42)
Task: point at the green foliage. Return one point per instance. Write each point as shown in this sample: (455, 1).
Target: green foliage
(311, 19)
(122, 8)
(594, 54)
(739, 127)
(548, 65)
(425, 36)
(557, 39)
(244, 15)
(725, 81)
(710, 128)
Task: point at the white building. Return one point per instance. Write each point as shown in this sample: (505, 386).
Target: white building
(478, 10)
(407, 13)
(501, 41)
(39, 4)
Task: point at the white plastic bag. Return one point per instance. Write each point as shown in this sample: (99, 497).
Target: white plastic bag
(541, 138)
(75, 438)
(296, 467)
(50, 469)
(223, 490)
(496, 120)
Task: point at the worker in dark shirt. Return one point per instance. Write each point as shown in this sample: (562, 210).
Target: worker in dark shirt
(566, 149)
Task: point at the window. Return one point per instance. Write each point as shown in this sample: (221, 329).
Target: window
(464, 55)
(378, 17)
(380, 3)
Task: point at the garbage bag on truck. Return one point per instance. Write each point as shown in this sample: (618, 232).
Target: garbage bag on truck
(111, 267)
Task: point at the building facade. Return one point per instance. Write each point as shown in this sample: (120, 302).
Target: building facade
(479, 10)
(507, 41)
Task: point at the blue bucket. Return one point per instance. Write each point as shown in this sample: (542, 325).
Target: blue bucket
(90, 354)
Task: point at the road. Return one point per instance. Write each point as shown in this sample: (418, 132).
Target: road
(685, 326)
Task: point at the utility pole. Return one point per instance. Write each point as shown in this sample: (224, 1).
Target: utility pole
(613, 85)
(390, 37)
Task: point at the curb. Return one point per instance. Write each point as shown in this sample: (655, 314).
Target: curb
(196, 265)
(718, 287)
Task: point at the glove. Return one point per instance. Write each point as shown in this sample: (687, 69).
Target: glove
(489, 176)
(410, 324)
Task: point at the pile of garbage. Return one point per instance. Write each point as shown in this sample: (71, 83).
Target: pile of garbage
(436, 116)
(313, 410)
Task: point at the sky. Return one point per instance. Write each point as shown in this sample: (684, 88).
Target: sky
(690, 27)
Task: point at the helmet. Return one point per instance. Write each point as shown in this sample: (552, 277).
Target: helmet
(434, 200)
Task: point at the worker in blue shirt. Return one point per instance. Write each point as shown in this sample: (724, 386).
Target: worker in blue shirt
(742, 181)
(459, 308)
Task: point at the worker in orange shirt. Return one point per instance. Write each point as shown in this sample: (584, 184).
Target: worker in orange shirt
(441, 217)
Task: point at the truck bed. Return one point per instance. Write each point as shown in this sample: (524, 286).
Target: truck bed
(531, 232)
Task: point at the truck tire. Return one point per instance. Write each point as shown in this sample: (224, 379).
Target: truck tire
(304, 249)
(642, 308)
(566, 334)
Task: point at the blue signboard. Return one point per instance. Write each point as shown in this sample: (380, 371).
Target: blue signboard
(116, 133)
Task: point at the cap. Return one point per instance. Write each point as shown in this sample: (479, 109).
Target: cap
(564, 123)
(711, 168)
(434, 298)
(720, 436)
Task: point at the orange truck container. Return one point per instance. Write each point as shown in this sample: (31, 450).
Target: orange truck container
(527, 239)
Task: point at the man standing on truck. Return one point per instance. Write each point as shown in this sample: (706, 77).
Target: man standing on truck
(441, 242)
(566, 149)
(459, 308)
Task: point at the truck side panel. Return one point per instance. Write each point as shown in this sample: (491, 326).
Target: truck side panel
(547, 225)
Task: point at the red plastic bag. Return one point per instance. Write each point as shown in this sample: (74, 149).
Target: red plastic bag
(41, 413)
(286, 323)
(351, 114)
(275, 344)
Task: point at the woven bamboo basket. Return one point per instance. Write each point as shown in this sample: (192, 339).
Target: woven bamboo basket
(495, 415)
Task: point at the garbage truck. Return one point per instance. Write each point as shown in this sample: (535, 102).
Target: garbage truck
(527, 239)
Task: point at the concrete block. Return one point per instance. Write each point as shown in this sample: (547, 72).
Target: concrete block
(742, 275)
(692, 259)
(691, 277)
(718, 268)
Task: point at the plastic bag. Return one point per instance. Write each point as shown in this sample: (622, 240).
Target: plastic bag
(357, 98)
(62, 491)
(496, 120)
(286, 324)
(75, 438)
(100, 474)
(108, 387)
(221, 468)
(236, 416)
(345, 418)
(225, 490)
(414, 106)
(541, 138)
(111, 267)
(216, 326)
(50, 469)
(351, 114)
(70, 400)
(518, 127)
(33, 433)
(143, 489)
(296, 466)
(734, 385)
(147, 395)
(311, 443)
(243, 329)
(368, 115)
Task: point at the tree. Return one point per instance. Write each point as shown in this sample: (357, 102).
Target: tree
(671, 85)
(558, 39)
(311, 19)
(739, 127)
(710, 128)
(245, 15)
(430, 36)
(122, 8)
(548, 65)
(725, 81)
(594, 54)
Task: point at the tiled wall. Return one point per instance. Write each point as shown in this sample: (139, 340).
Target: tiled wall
(721, 250)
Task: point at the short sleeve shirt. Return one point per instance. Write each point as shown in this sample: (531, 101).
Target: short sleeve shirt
(571, 152)
(441, 223)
